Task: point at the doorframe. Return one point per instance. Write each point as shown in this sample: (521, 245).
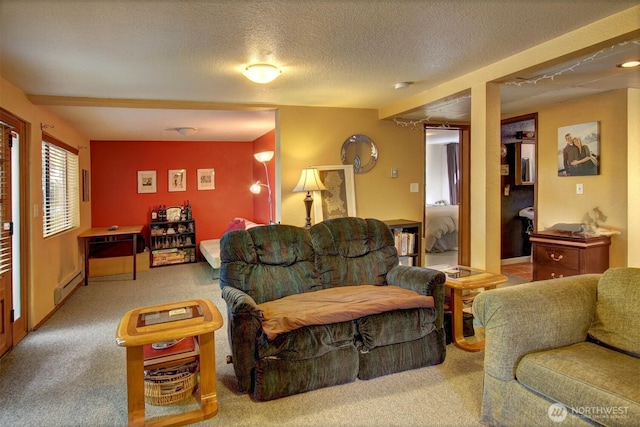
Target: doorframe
(20, 326)
(464, 166)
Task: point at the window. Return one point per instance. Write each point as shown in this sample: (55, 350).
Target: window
(60, 205)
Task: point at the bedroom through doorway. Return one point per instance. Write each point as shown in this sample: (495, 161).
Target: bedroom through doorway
(442, 196)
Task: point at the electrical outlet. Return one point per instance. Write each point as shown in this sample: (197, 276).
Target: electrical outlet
(579, 189)
(394, 173)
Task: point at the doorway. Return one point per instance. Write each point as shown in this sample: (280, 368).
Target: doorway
(13, 295)
(446, 208)
(518, 187)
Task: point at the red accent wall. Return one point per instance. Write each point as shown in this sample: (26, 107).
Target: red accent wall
(114, 167)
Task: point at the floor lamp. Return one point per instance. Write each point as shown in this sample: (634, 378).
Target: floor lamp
(264, 157)
(309, 181)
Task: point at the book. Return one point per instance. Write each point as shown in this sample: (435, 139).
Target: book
(186, 347)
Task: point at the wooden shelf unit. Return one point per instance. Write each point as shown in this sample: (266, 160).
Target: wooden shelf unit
(411, 227)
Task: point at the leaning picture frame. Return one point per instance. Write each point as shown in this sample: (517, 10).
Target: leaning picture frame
(579, 149)
(147, 182)
(206, 179)
(339, 199)
(177, 180)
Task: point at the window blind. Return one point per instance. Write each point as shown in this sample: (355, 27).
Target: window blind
(60, 205)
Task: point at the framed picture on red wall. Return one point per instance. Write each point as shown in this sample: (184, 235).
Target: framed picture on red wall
(177, 180)
(206, 179)
(147, 182)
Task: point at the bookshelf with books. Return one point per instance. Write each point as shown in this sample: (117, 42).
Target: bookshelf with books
(408, 240)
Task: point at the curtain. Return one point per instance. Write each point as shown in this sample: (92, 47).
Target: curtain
(453, 172)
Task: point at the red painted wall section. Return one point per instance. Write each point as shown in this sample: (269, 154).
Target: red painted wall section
(266, 142)
(114, 195)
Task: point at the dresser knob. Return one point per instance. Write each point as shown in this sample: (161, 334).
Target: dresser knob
(553, 257)
(553, 276)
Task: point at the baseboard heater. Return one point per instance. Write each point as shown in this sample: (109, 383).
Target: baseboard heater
(62, 291)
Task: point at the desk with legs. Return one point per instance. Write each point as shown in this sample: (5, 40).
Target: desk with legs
(130, 232)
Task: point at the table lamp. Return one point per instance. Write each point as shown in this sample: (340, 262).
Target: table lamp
(309, 181)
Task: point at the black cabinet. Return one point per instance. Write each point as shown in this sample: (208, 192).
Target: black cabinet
(172, 242)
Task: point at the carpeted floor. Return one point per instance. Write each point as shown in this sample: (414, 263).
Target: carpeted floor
(70, 372)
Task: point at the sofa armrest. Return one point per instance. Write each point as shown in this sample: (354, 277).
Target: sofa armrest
(425, 281)
(533, 316)
(245, 325)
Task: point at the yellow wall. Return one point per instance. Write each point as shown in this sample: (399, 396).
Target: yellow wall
(557, 198)
(55, 259)
(633, 181)
(314, 136)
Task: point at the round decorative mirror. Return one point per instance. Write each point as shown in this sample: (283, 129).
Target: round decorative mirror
(360, 151)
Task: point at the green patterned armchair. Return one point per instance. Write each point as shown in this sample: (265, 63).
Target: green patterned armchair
(268, 263)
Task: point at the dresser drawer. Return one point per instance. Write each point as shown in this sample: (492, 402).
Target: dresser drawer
(546, 271)
(558, 256)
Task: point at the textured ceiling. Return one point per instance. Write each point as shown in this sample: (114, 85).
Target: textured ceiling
(183, 59)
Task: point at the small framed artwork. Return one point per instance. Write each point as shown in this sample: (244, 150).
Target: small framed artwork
(147, 182)
(339, 199)
(579, 149)
(206, 179)
(85, 186)
(177, 180)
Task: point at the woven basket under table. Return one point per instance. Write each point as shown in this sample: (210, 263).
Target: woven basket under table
(156, 394)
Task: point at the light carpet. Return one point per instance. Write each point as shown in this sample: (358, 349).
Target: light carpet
(70, 372)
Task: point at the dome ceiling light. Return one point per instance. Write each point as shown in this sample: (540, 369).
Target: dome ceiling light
(186, 131)
(261, 73)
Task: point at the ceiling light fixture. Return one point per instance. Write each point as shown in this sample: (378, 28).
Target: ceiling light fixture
(186, 131)
(629, 64)
(261, 73)
(403, 85)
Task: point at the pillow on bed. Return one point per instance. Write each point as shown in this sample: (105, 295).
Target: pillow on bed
(236, 224)
(247, 224)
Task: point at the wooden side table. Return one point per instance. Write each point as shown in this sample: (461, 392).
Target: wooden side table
(166, 322)
(460, 278)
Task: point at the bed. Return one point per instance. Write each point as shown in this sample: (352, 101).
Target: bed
(210, 249)
(441, 228)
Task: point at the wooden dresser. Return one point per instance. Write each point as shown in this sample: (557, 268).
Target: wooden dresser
(563, 253)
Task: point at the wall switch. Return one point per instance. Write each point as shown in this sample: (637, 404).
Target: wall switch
(36, 210)
(579, 189)
(413, 187)
(394, 173)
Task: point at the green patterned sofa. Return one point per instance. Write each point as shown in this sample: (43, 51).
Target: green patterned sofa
(265, 265)
(563, 352)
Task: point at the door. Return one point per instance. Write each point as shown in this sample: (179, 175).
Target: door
(13, 177)
(6, 241)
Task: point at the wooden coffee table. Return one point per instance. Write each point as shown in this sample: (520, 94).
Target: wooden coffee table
(459, 279)
(146, 325)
